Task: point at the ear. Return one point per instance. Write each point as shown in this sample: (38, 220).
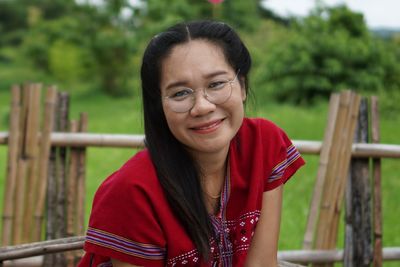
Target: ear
(242, 88)
(243, 92)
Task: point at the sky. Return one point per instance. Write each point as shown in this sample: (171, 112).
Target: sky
(377, 13)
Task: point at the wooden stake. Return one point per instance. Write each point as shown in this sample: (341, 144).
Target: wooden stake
(51, 222)
(9, 192)
(72, 196)
(61, 211)
(322, 171)
(31, 153)
(20, 193)
(329, 191)
(351, 123)
(26, 95)
(81, 180)
(358, 211)
(377, 200)
(337, 171)
(20, 202)
(81, 186)
(41, 182)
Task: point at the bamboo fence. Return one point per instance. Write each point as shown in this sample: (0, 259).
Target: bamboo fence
(76, 243)
(38, 170)
(48, 158)
(307, 147)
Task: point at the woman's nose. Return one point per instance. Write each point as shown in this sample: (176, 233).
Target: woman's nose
(201, 105)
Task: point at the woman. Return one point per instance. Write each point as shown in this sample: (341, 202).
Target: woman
(207, 190)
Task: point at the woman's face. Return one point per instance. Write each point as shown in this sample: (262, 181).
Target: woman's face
(206, 127)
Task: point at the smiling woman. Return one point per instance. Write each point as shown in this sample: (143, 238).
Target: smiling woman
(207, 190)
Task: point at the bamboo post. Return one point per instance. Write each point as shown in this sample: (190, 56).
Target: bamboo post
(31, 153)
(338, 164)
(26, 95)
(20, 201)
(71, 196)
(358, 201)
(41, 181)
(342, 169)
(83, 127)
(51, 222)
(9, 192)
(349, 227)
(326, 205)
(322, 170)
(61, 211)
(377, 201)
(81, 184)
(351, 122)
(20, 193)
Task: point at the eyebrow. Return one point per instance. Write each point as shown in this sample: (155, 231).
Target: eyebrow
(185, 82)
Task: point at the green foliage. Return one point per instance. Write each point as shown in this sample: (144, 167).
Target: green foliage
(297, 60)
(329, 50)
(65, 62)
(112, 51)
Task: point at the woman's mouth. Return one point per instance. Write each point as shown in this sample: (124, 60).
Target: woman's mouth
(207, 127)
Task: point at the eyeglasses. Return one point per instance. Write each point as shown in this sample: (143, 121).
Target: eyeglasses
(218, 91)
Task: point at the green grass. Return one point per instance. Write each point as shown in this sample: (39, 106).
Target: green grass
(123, 115)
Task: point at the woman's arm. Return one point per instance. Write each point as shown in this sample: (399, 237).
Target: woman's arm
(264, 246)
(117, 263)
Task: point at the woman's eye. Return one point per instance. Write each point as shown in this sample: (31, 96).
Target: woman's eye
(217, 85)
(181, 94)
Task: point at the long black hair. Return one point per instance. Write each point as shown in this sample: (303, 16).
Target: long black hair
(177, 172)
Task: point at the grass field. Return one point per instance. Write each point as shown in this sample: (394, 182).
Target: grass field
(108, 115)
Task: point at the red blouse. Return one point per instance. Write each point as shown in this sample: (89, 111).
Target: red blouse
(131, 219)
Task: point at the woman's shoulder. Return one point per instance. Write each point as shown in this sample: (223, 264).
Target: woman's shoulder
(138, 173)
(255, 126)
(261, 137)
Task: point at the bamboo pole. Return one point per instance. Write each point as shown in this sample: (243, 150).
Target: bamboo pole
(76, 243)
(337, 171)
(321, 174)
(9, 192)
(51, 222)
(345, 165)
(358, 196)
(83, 127)
(306, 147)
(61, 211)
(32, 153)
(20, 201)
(41, 181)
(20, 193)
(26, 95)
(71, 195)
(377, 200)
(351, 122)
(349, 227)
(41, 248)
(326, 204)
(81, 184)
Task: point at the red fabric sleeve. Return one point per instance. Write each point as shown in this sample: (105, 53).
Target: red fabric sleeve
(124, 223)
(283, 155)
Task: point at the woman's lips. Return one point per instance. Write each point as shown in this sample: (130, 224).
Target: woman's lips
(207, 127)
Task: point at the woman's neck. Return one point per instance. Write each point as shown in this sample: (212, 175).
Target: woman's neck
(213, 171)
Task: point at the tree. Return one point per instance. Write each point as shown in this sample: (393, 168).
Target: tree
(329, 50)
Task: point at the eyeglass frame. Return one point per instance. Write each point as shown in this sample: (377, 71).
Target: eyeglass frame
(204, 89)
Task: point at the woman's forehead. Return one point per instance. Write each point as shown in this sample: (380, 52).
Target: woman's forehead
(193, 59)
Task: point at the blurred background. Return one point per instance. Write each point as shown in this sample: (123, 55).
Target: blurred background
(302, 52)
